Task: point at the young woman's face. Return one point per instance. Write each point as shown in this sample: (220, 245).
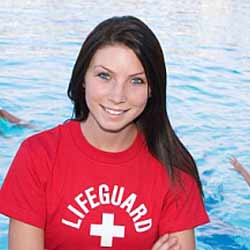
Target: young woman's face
(116, 89)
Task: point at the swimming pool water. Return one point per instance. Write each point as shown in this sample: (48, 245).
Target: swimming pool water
(207, 49)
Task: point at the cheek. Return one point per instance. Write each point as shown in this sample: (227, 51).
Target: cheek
(88, 94)
(93, 91)
(139, 99)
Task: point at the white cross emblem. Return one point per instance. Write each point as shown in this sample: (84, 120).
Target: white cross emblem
(107, 230)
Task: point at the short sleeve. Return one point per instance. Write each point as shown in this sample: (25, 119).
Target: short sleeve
(22, 195)
(183, 207)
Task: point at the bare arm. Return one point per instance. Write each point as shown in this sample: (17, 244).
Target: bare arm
(13, 119)
(8, 116)
(23, 236)
(183, 240)
(166, 242)
(239, 168)
(186, 239)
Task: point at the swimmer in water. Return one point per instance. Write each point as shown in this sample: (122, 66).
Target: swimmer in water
(242, 170)
(13, 119)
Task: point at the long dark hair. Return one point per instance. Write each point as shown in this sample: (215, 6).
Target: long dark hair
(160, 137)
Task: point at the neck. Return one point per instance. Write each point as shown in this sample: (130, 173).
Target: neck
(109, 141)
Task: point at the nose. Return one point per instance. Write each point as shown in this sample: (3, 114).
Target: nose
(118, 93)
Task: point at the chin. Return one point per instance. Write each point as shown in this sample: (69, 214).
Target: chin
(115, 128)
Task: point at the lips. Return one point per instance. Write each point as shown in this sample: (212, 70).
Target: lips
(112, 111)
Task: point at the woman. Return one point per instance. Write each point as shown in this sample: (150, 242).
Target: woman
(116, 176)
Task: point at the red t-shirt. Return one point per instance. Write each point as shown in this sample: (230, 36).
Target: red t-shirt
(85, 198)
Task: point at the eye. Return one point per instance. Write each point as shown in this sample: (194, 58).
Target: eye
(138, 81)
(104, 75)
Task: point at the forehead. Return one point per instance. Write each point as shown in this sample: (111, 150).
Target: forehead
(116, 56)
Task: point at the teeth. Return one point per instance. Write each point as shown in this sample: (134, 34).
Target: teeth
(113, 112)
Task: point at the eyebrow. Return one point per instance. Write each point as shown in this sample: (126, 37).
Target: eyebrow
(139, 73)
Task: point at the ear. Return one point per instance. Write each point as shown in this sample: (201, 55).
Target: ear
(83, 85)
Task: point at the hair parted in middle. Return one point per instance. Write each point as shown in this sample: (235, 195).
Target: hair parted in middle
(154, 123)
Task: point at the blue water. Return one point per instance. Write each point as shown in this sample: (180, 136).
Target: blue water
(207, 49)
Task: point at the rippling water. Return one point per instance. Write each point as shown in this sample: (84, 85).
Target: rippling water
(207, 49)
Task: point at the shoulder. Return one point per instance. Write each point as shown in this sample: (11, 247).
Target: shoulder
(44, 138)
(183, 183)
(47, 141)
(186, 181)
(156, 171)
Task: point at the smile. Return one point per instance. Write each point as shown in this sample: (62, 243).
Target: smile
(114, 111)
